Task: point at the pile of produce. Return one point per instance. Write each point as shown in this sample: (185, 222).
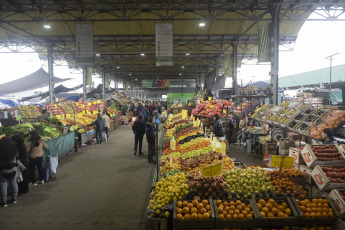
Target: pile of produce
(197, 162)
(28, 111)
(315, 208)
(211, 108)
(326, 152)
(335, 175)
(285, 184)
(68, 107)
(342, 194)
(193, 210)
(176, 122)
(331, 121)
(235, 210)
(55, 109)
(272, 208)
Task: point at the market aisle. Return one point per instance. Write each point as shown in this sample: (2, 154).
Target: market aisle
(100, 187)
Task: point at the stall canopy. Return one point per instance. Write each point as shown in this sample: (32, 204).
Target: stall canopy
(10, 103)
(57, 90)
(38, 79)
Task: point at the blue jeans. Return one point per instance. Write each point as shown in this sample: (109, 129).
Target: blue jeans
(125, 119)
(3, 189)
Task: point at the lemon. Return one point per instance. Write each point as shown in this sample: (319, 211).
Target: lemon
(166, 214)
(158, 211)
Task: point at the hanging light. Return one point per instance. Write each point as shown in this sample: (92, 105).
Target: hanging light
(202, 24)
(187, 54)
(47, 26)
(142, 54)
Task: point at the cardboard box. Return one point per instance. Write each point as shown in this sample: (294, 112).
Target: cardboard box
(311, 160)
(296, 154)
(283, 151)
(322, 181)
(296, 166)
(286, 143)
(307, 173)
(270, 147)
(338, 202)
(315, 192)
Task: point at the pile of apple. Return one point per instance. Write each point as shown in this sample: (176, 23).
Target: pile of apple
(248, 183)
(193, 210)
(196, 162)
(235, 210)
(335, 175)
(208, 187)
(326, 152)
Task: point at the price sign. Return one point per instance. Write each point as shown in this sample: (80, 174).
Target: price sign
(172, 144)
(202, 99)
(210, 98)
(224, 111)
(88, 112)
(83, 111)
(170, 160)
(77, 104)
(223, 149)
(89, 104)
(94, 112)
(68, 115)
(212, 170)
(58, 117)
(55, 105)
(192, 117)
(211, 106)
(83, 106)
(169, 133)
(282, 162)
(94, 102)
(98, 101)
(19, 117)
(80, 115)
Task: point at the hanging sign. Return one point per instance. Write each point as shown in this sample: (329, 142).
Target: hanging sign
(212, 170)
(210, 98)
(211, 106)
(94, 102)
(77, 104)
(172, 144)
(169, 133)
(98, 101)
(84, 44)
(224, 111)
(282, 162)
(202, 99)
(164, 44)
(58, 117)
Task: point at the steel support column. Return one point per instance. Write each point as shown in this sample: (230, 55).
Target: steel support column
(84, 82)
(103, 84)
(51, 74)
(275, 13)
(234, 78)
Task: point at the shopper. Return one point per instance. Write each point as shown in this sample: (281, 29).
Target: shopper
(229, 128)
(145, 114)
(99, 123)
(328, 136)
(106, 120)
(23, 157)
(217, 126)
(124, 113)
(150, 137)
(35, 146)
(8, 171)
(139, 132)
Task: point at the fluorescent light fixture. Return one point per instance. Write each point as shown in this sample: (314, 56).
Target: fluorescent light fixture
(180, 74)
(182, 67)
(98, 55)
(47, 26)
(118, 67)
(130, 74)
(136, 79)
(202, 24)
(187, 54)
(142, 54)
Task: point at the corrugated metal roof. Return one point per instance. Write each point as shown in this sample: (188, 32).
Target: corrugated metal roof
(315, 77)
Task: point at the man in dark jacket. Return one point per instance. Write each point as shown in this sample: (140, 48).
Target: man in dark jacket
(99, 123)
(150, 137)
(229, 128)
(217, 126)
(139, 132)
(124, 113)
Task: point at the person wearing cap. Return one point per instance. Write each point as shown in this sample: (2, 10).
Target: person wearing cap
(328, 136)
(217, 126)
(229, 128)
(99, 123)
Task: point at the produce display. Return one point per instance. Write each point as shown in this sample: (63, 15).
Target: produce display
(326, 152)
(271, 208)
(68, 107)
(342, 194)
(331, 121)
(208, 187)
(193, 210)
(28, 111)
(315, 208)
(211, 108)
(315, 227)
(335, 175)
(55, 109)
(234, 210)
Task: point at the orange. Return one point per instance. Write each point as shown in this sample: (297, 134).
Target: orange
(302, 208)
(231, 212)
(195, 203)
(232, 203)
(244, 213)
(281, 214)
(179, 210)
(302, 203)
(237, 211)
(227, 208)
(262, 202)
(325, 214)
(185, 210)
(194, 216)
(308, 210)
(225, 204)
(275, 204)
(268, 205)
(306, 215)
(314, 209)
(265, 210)
(271, 201)
(241, 216)
(326, 205)
(312, 215)
(190, 206)
(314, 201)
(221, 216)
(232, 207)
(194, 210)
(318, 214)
(282, 209)
(259, 206)
(225, 213)
(235, 216)
(187, 216)
(218, 202)
(179, 216)
(249, 217)
(202, 211)
(288, 211)
(228, 217)
(200, 206)
(263, 214)
(185, 203)
(199, 216)
(205, 202)
(249, 206)
(239, 207)
(220, 209)
(208, 207)
(270, 214)
(206, 215)
(274, 211)
(330, 214)
(179, 204)
(238, 202)
(320, 200)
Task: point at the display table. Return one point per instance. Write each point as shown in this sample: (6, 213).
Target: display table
(86, 136)
(60, 146)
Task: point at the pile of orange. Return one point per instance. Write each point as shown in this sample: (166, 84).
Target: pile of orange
(315, 227)
(235, 210)
(315, 208)
(193, 210)
(274, 228)
(271, 208)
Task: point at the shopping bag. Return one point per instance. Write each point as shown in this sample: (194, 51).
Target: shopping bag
(46, 167)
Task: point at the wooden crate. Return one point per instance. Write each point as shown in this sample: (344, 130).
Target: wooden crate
(314, 221)
(194, 223)
(157, 223)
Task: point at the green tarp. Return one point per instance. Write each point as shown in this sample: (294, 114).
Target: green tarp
(60, 146)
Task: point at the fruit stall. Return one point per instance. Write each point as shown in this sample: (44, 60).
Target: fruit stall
(198, 186)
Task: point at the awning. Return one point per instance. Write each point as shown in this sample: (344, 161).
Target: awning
(10, 103)
(59, 89)
(36, 80)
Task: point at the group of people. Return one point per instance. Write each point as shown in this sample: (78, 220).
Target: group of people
(102, 126)
(18, 163)
(218, 127)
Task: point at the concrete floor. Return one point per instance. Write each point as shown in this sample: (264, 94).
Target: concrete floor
(100, 187)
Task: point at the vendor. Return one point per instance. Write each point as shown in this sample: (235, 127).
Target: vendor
(328, 136)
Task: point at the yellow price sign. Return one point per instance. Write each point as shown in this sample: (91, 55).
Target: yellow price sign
(80, 115)
(94, 102)
(77, 104)
(211, 106)
(224, 111)
(89, 104)
(98, 101)
(210, 98)
(88, 112)
(212, 170)
(55, 105)
(58, 117)
(172, 144)
(223, 149)
(282, 162)
(169, 133)
(68, 115)
(83, 111)
(202, 99)
(83, 106)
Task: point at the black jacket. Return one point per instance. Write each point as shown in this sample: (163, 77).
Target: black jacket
(218, 128)
(123, 111)
(150, 132)
(23, 155)
(139, 128)
(229, 126)
(99, 123)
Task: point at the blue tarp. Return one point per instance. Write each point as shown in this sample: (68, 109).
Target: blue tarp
(73, 98)
(10, 103)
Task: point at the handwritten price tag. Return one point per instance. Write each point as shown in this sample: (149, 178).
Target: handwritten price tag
(58, 117)
(169, 133)
(224, 111)
(209, 98)
(282, 162)
(94, 102)
(98, 101)
(77, 104)
(202, 99)
(172, 144)
(55, 105)
(68, 115)
(89, 104)
(212, 170)
(83, 106)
